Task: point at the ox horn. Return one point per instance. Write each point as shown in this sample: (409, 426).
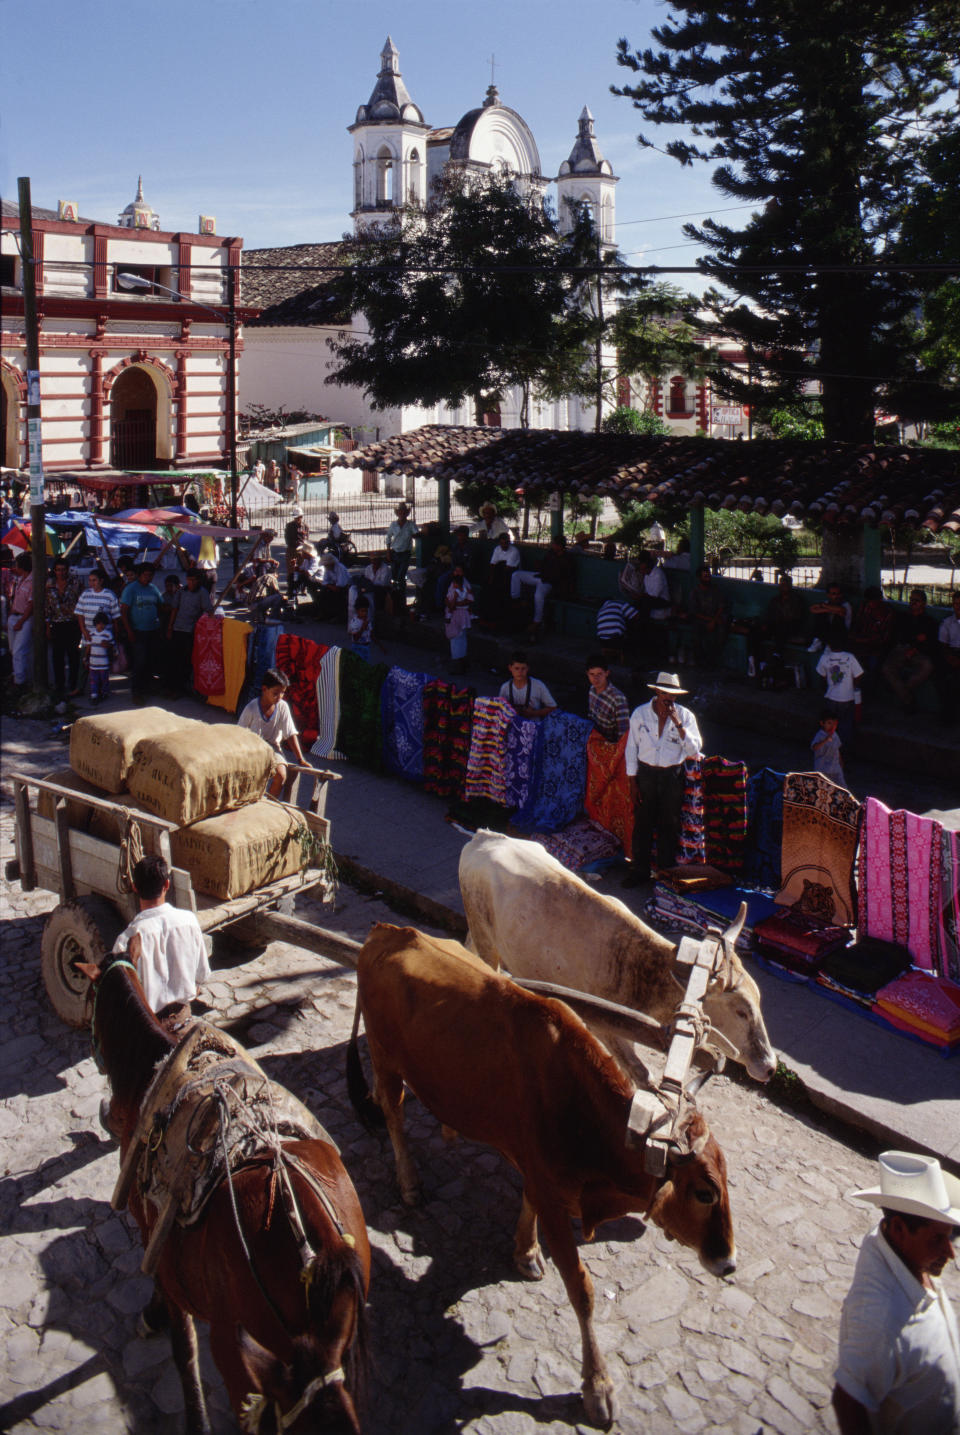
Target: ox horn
(729, 940)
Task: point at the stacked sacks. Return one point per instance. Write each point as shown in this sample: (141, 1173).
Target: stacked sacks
(102, 746)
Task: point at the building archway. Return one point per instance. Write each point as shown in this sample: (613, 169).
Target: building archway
(139, 419)
(12, 394)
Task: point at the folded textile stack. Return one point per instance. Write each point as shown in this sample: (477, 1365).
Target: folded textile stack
(856, 973)
(706, 909)
(796, 942)
(924, 1006)
(583, 843)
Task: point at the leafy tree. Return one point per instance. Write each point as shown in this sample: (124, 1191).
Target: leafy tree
(464, 299)
(824, 123)
(624, 420)
(655, 332)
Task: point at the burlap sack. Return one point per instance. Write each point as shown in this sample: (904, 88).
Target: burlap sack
(101, 745)
(108, 826)
(187, 776)
(237, 852)
(78, 813)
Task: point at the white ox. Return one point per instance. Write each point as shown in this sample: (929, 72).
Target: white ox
(529, 914)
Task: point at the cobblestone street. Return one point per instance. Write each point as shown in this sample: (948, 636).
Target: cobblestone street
(459, 1342)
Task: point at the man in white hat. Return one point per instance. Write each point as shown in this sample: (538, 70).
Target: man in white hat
(661, 736)
(899, 1363)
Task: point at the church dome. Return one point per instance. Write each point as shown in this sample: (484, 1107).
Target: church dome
(139, 214)
(390, 102)
(495, 134)
(585, 157)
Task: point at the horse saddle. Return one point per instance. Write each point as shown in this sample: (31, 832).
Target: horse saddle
(209, 1110)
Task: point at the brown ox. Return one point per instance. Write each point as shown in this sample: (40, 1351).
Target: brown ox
(522, 1073)
(528, 913)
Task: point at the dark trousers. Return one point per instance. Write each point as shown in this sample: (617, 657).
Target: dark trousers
(658, 803)
(146, 649)
(179, 657)
(65, 654)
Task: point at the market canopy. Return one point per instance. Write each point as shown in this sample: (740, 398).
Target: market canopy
(829, 482)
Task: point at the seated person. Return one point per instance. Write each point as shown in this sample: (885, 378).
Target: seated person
(871, 633)
(529, 696)
(269, 716)
(330, 587)
(616, 623)
(910, 661)
(164, 943)
(490, 524)
(948, 663)
(556, 574)
(708, 615)
(504, 561)
(825, 612)
(784, 621)
(306, 569)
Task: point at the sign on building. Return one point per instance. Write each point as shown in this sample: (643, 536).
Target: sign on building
(727, 414)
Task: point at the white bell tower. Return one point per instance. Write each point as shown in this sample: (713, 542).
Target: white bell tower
(389, 148)
(586, 178)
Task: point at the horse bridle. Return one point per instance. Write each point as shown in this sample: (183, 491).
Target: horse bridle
(254, 1407)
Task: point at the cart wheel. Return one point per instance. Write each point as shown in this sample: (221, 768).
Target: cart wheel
(83, 930)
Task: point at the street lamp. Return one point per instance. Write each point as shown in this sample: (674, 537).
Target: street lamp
(137, 281)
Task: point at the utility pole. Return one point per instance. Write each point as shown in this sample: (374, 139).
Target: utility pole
(38, 527)
(232, 406)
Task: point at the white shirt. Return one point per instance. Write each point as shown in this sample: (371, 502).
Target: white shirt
(273, 729)
(899, 1349)
(509, 555)
(173, 957)
(89, 604)
(840, 669)
(495, 528)
(648, 745)
(334, 575)
(949, 632)
(379, 577)
(400, 536)
(655, 585)
(533, 694)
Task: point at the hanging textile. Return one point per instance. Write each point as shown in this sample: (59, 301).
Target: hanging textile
(328, 704)
(581, 844)
(949, 906)
(901, 857)
(724, 812)
(820, 823)
(486, 761)
(608, 799)
(300, 659)
(523, 736)
(563, 771)
(691, 847)
(401, 714)
(764, 828)
(447, 720)
(261, 655)
(235, 635)
(208, 675)
(359, 731)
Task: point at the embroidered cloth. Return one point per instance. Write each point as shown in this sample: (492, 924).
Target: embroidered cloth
(607, 799)
(447, 721)
(692, 847)
(520, 763)
(300, 660)
(401, 714)
(949, 906)
(901, 857)
(486, 764)
(563, 771)
(820, 824)
(724, 812)
(580, 844)
(208, 677)
(761, 867)
(234, 637)
(926, 1005)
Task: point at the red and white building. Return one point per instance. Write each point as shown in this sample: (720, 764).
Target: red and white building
(128, 380)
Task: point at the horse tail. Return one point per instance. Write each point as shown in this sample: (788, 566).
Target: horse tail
(361, 1098)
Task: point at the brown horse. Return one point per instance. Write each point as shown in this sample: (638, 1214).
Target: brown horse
(288, 1334)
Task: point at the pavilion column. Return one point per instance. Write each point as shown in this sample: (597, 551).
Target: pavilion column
(872, 556)
(556, 518)
(443, 507)
(697, 537)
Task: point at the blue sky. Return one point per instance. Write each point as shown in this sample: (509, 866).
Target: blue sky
(239, 108)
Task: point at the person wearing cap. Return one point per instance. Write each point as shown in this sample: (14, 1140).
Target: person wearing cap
(295, 533)
(399, 542)
(490, 525)
(307, 570)
(661, 736)
(898, 1371)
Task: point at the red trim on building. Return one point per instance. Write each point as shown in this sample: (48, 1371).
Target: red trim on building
(62, 306)
(100, 266)
(95, 443)
(702, 407)
(184, 275)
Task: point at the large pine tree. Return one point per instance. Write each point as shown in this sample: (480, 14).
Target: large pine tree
(819, 116)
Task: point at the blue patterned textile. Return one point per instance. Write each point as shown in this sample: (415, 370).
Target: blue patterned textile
(560, 783)
(401, 709)
(261, 655)
(761, 867)
(520, 765)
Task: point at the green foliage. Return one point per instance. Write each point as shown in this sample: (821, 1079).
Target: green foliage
(824, 130)
(792, 423)
(474, 495)
(624, 420)
(728, 533)
(635, 521)
(655, 334)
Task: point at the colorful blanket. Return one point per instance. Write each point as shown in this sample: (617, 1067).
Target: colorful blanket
(580, 844)
(447, 720)
(725, 812)
(520, 764)
(261, 655)
(901, 860)
(761, 865)
(235, 635)
(608, 798)
(692, 847)
(820, 826)
(300, 660)
(401, 713)
(328, 704)
(926, 1005)
(486, 763)
(208, 656)
(360, 731)
(563, 771)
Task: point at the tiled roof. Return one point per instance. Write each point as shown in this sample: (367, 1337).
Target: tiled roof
(292, 287)
(839, 483)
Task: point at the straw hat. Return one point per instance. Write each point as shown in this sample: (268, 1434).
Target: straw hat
(916, 1185)
(669, 684)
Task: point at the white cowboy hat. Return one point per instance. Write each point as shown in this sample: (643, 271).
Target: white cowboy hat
(668, 683)
(916, 1185)
(297, 512)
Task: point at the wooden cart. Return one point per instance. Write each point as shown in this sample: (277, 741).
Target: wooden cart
(84, 871)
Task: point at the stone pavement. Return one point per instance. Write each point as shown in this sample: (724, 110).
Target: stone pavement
(458, 1341)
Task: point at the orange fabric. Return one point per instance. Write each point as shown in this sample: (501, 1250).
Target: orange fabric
(235, 636)
(608, 792)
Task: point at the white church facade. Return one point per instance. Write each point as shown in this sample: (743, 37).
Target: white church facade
(397, 159)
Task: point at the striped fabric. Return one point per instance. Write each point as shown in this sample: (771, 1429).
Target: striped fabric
(725, 812)
(612, 619)
(328, 705)
(486, 764)
(447, 721)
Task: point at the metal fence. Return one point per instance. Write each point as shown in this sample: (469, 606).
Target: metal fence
(365, 517)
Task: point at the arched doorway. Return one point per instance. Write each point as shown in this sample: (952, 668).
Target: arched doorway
(9, 422)
(133, 420)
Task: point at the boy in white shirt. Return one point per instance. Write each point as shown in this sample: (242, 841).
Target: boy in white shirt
(269, 716)
(841, 672)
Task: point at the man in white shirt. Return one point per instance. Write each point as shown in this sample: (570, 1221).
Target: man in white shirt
(164, 943)
(530, 697)
(269, 716)
(491, 525)
(899, 1360)
(661, 736)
